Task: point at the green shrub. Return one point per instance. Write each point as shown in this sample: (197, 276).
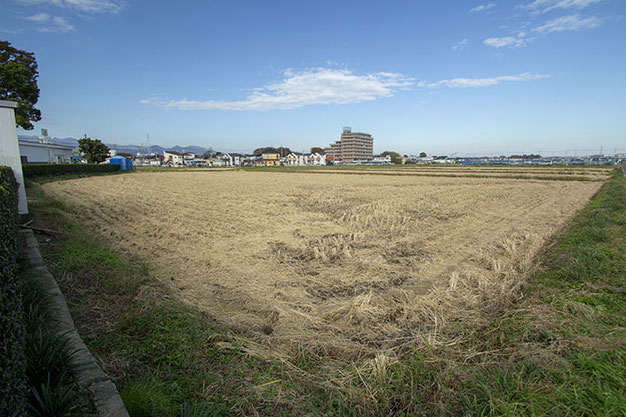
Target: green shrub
(37, 306)
(52, 399)
(48, 355)
(12, 370)
(44, 170)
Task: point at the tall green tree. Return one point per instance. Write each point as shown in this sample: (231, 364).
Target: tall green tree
(94, 150)
(18, 82)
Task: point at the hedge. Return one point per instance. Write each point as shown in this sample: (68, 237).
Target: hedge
(44, 170)
(12, 362)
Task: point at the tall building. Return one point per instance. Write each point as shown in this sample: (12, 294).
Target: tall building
(352, 146)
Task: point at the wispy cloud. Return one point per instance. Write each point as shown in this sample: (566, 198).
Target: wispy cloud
(482, 8)
(47, 23)
(39, 17)
(461, 45)
(506, 41)
(547, 5)
(85, 6)
(571, 22)
(482, 82)
(299, 89)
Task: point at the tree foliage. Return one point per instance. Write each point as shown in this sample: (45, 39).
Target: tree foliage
(94, 150)
(317, 150)
(282, 150)
(396, 158)
(422, 154)
(18, 82)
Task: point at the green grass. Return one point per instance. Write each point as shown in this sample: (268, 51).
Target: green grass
(64, 177)
(558, 352)
(579, 299)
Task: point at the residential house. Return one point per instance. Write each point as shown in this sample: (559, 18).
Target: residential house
(382, 160)
(316, 159)
(270, 158)
(173, 158)
(296, 159)
(234, 159)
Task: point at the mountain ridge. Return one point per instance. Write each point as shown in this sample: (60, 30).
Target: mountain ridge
(132, 149)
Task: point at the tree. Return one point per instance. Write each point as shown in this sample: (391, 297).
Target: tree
(423, 155)
(395, 156)
(94, 150)
(18, 82)
(259, 151)
(284, 151)
(317, 150)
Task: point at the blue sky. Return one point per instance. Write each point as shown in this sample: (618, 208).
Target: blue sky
(463, 76)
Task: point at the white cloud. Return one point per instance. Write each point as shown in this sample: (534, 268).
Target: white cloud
(461, 45)
(39, 17)
(53, 24)
(571, 22)
(299, 89)
(59, 25)
(86, 6)
(482, 7)
(482, 82)
(547, 5)
(509, 41)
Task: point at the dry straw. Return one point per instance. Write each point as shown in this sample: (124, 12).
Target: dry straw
(340, 265)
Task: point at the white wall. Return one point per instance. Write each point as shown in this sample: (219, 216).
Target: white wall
(35, 153)
(9, 149)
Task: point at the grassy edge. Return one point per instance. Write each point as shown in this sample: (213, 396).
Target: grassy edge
(562, 352)
(519, 375)
(65, 177)
(52, 387)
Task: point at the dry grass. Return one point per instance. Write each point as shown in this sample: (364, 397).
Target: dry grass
(525, 173)
(342, 263)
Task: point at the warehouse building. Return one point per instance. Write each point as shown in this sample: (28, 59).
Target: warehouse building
(44, 153)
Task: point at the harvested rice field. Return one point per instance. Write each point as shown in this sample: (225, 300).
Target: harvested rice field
(347, 263)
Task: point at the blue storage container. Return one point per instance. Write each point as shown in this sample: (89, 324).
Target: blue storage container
(124, 163)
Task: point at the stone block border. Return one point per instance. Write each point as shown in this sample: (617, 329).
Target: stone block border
(88, 373)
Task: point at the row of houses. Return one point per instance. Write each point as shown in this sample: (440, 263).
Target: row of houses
(266, 159)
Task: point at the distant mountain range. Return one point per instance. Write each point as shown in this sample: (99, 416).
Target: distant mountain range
(132, 149)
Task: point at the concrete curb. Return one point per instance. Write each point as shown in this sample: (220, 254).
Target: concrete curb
(88, 373)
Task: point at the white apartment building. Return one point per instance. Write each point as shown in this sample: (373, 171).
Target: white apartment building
(353, 146)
